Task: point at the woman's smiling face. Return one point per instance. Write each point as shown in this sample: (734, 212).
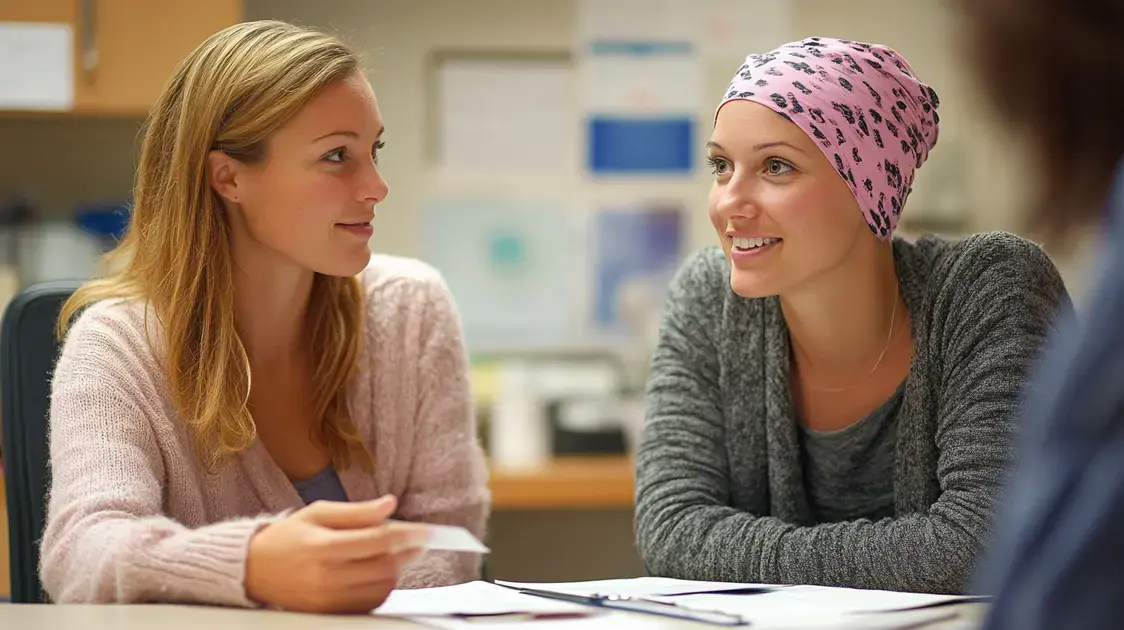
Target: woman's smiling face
(782, 213)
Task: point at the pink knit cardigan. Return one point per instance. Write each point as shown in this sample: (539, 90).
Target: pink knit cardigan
(133, 517)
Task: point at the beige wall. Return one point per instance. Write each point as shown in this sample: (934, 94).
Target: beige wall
(399, 36)
(67, 161)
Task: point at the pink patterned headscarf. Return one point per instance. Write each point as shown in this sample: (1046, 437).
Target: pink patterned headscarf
(861, 104)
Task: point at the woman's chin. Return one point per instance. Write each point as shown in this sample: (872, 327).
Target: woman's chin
(752, 285)
(348, 265)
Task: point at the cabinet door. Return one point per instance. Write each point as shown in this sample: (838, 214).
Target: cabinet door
(37, 11)
(57, 12)
(127, 49)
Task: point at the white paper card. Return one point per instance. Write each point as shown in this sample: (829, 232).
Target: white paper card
(36, 66)
(453, 538)
(472, 599)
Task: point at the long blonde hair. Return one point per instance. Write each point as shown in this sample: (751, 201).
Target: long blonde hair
(232, 93)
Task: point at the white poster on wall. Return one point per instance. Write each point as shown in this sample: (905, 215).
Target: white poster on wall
(515, 267)
(732, 29)
(489, 110)
(36, 66)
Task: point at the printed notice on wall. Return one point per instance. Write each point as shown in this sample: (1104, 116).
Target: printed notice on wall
(36, 66)
(731, 29)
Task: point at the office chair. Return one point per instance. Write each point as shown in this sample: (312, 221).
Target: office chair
(28, 350)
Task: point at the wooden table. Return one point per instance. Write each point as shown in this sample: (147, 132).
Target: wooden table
(150, 617)
(565, 483)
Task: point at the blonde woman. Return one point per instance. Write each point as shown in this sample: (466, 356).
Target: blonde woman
(251, 408)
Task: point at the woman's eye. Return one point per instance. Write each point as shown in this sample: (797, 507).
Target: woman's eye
(776, 166)
(337, 155)
(718, 166)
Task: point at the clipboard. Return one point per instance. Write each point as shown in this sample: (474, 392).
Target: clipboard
(645, 605)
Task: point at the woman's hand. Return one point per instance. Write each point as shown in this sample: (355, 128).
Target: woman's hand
(331, 557)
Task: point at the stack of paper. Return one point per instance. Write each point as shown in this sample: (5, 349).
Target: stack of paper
(763, 606)
(644, 587)
(474, 599)
(783, 602)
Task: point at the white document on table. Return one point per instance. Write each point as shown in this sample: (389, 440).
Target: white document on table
(777, 606)
(612, 621)
(641, 587)
(843, 600)
(477, 598)
(817, 604)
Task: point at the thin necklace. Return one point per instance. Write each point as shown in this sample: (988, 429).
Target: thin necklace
(889, 337)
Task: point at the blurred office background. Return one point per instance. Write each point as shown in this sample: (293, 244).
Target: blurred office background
(546, 155)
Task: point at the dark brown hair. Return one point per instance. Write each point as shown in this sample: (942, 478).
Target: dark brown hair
(1054, 70)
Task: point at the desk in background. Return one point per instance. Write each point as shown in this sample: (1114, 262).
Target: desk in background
(566, 483)
(570, 519)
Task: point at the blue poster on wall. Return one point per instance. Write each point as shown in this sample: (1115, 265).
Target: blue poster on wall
(641, 104)
(637, 251)
(620, 145)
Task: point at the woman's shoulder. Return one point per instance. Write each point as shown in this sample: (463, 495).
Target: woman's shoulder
(119, 323)
(398, 278)
(113, 339)
(983, 250)
(1000, 260)
(399, 290)
(392, 273)
(981, 279)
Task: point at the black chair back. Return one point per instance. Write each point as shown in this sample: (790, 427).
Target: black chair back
(28, 350)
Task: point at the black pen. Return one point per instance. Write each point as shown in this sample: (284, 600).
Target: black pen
(644, 605)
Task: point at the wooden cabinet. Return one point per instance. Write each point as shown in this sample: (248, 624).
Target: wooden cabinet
(566, 483)
(125, 50)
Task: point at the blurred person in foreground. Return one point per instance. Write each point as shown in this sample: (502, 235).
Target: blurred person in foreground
(250, 404)
(1054, 70)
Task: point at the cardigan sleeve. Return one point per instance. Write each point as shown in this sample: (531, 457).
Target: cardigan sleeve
(999, 302)
(106, 538)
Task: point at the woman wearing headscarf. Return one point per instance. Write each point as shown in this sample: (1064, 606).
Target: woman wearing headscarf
(829, 403)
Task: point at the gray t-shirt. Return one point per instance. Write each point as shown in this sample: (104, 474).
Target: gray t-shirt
(849, 473)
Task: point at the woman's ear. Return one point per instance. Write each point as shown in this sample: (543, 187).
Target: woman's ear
(223, 172)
